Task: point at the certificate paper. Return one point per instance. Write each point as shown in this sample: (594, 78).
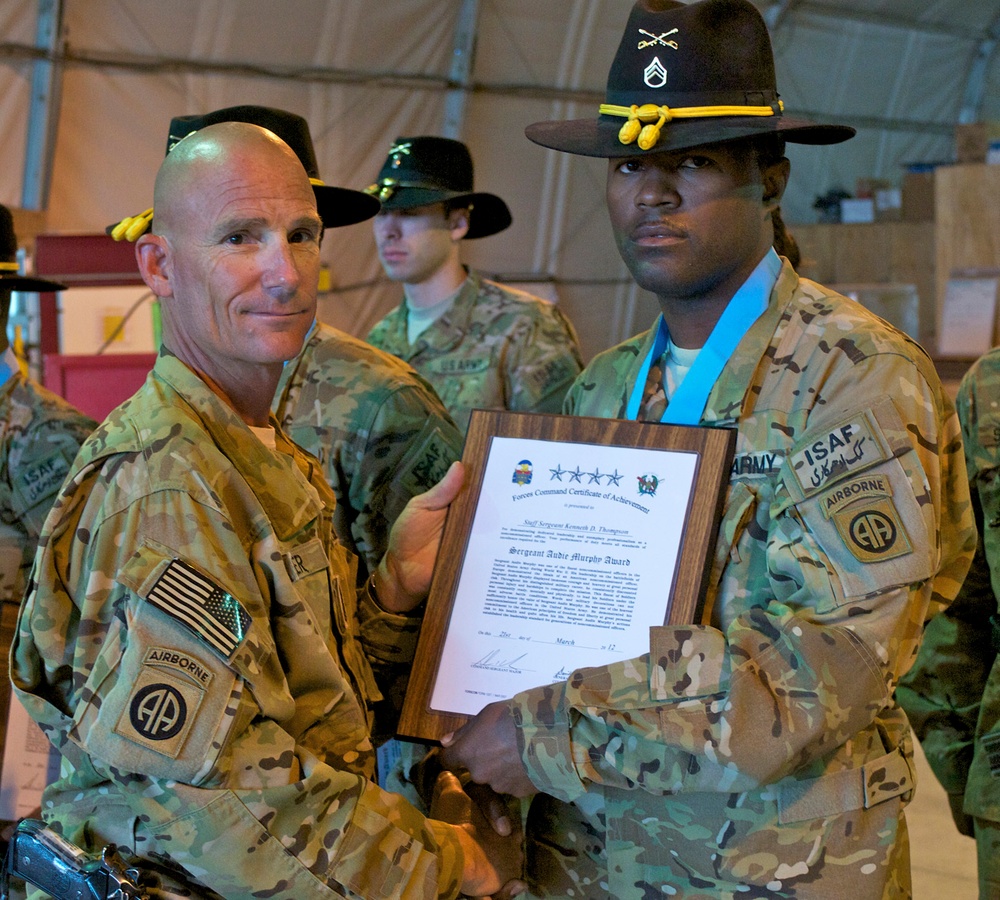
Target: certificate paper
(560, 570)
(573, 536)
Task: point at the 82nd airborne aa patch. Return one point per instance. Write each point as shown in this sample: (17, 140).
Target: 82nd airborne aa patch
(867, 519)
(164, 701)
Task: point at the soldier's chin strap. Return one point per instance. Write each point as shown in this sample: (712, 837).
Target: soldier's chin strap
(39, 856)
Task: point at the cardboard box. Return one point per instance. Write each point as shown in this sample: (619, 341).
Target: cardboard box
(888, 204)
(857, 210)
(918, 196)
(971, 142)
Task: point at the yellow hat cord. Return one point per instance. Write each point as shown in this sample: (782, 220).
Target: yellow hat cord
(131, 228)
(655, 117)
(10, 267)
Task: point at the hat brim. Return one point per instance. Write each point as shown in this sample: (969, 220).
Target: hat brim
(336, 206)
(490, 215)
(599, 137)
(27, 283)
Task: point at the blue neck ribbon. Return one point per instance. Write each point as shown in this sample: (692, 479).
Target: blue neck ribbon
(687, 404)
(8, 366)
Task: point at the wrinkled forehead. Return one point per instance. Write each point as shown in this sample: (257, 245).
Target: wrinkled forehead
(254, 182)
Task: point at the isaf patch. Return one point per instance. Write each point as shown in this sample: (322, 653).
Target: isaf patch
(866, 518)
(41, 480)
(426, 465)
(848, 447)
(164, 701)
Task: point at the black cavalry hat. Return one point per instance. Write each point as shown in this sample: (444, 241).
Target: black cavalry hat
(686, 75)
(427, 169)
(11, 278)
(336, 206)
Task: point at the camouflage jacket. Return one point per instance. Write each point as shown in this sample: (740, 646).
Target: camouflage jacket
(952, 694)
(379, 430)
(39, 436)
(496, 348)
(763, 750)
(194, 647)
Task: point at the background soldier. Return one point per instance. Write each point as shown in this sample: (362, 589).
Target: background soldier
(952, 693)
(478, 343)
(39, 435)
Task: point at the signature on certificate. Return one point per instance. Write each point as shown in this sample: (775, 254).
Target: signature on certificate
(494, 661)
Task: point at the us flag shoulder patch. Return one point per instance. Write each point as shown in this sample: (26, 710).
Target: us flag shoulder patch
(214, 615)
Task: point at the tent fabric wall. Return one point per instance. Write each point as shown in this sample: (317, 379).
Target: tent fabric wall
(364, 73)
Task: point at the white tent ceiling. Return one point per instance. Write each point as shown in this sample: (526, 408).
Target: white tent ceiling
(903, 71)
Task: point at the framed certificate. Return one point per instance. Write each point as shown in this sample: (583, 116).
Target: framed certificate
(571, 538)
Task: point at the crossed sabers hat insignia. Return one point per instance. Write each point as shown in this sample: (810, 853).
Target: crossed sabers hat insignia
(657, 39)
(398, 150)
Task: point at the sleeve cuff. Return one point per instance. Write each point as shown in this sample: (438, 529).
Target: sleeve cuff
(388, 637)
(541, 717)
(451, 859)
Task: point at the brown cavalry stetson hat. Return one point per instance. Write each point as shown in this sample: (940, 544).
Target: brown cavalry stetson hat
(686, 75)
(11, 278)
(336, 206)
(428, 169)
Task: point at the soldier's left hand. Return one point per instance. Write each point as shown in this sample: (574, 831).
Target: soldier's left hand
(487, 748)
(403, 577)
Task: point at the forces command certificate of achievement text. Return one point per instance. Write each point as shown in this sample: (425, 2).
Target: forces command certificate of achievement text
(569, 557)
(572, 538)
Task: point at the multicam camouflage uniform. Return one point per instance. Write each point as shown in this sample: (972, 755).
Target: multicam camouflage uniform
(377, 427)
(952, 694)
(763, 754)
(39, 436)
(195, 648)
(495, 348)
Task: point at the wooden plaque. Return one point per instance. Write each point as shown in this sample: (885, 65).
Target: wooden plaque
(549, 570)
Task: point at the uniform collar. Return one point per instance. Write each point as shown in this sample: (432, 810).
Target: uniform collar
(289, 509)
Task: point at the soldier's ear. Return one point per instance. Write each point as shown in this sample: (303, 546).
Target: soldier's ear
(153, 256)
(458, 223)
(774, 179)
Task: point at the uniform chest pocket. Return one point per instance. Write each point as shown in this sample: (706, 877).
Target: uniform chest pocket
(731, 547)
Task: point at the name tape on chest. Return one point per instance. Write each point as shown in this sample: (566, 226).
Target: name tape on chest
(452, 366)
(306, 560)
(553, 372)
(757, 463)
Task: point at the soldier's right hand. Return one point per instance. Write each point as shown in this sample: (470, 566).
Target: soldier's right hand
(492, 862)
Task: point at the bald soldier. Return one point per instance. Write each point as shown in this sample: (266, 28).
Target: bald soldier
(194, 644)
(379, 430)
